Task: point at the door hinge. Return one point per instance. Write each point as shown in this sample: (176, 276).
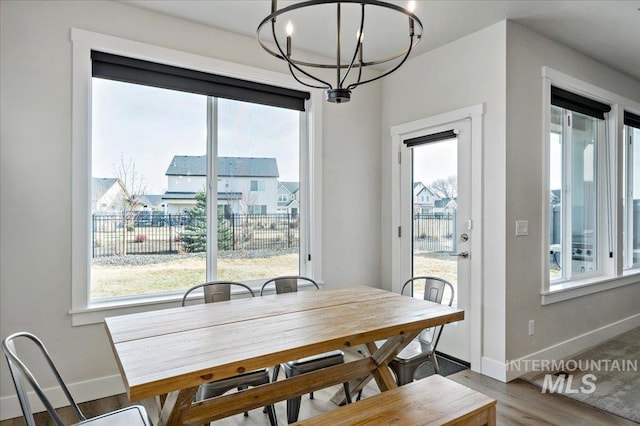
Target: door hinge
(569, 120)
(399, 157)
(399, 231)
(309, 258)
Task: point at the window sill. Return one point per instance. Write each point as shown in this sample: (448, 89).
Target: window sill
(96, 312)
(574, 289)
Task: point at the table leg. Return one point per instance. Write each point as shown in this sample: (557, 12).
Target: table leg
(381, 356)
(175, 403)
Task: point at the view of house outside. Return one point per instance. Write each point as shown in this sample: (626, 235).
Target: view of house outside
(149, 166)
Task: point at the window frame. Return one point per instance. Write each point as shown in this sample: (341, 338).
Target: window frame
(628, 141)
(611, 273)
(567, 231)
(82, 310)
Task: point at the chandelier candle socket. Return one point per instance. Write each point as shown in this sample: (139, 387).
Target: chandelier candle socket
(302, 70)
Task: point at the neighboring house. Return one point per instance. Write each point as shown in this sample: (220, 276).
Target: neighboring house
(423, 199)
(108, 196)
(149, 202)
(445, 205)
(288, 201)
(245, 184)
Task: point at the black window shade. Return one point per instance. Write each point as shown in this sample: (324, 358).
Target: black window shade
(434, 137)
(631, 119)
(578, 103)
(129, 70)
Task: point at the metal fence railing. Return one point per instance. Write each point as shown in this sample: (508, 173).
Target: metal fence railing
(153, 233)
(434, 232)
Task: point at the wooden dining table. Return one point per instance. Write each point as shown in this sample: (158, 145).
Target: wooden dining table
(168, 353)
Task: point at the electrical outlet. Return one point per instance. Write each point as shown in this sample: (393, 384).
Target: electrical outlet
(532, 327)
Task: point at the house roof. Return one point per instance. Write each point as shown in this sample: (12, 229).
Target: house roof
(101, 185)
(442, 202)
(196, 165)
(179, 196)
(292, 187)
(149, 199)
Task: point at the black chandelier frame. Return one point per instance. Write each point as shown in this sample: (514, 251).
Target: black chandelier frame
(338, 93)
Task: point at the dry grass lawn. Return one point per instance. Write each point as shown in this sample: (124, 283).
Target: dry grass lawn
(180, 274)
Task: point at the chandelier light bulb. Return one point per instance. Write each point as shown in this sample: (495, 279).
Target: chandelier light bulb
(289, 28)
(411, 6)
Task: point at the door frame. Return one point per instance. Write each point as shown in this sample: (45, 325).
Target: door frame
(416, 128)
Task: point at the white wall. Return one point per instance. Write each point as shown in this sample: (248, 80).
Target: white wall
(186, 183)
(527, 53)
(35, 114)
(466, 72)
(351, 192)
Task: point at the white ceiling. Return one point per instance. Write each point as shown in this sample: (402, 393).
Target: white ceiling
(607, 31)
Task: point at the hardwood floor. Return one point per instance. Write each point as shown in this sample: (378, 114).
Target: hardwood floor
(519, 403)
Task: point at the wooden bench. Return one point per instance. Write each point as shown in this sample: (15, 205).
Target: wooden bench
(434, 400)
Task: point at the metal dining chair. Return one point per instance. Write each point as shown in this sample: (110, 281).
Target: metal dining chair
(423, 348)
(135, 415)
(289, 284)
(219, 291)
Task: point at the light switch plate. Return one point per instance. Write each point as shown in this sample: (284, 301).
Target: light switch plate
(522, 228)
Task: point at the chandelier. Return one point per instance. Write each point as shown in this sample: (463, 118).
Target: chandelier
(348, 71)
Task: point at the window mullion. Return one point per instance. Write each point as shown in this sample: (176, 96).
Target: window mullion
(212, 188)
(629, 142)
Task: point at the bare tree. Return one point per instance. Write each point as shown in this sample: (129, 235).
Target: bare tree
(133, 182)
(134, 186)
(445, 188)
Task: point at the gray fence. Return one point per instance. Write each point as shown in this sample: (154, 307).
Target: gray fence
(153, 233)
(434, 232)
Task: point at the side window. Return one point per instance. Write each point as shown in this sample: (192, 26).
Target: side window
(576, 168)
(631, 227)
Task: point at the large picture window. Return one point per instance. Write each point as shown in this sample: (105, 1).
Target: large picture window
(160, 137)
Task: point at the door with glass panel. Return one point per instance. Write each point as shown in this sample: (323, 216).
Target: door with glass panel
(436, 218)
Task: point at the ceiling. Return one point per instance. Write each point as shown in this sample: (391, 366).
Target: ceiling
(607, 31)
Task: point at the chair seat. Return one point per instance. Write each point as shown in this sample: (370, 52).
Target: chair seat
(135, 415)
(313, 363)
(219, 387)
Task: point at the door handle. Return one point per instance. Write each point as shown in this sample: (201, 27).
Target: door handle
(463, 254)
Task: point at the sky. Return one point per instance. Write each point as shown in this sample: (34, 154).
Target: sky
(434, 161)
(148, 126)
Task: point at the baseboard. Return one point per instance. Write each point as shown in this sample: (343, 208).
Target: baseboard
(512, 369)
(494, 369)
(81, 391)
(518, 367)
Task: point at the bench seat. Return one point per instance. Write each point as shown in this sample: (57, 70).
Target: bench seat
(434, 400)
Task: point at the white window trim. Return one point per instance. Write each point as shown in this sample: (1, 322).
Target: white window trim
(82, 311)
(612, 273)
